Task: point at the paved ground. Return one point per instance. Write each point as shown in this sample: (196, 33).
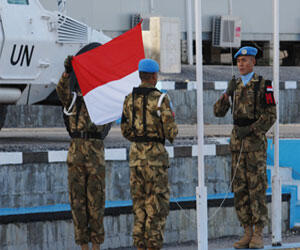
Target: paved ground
(185, 131)
(43, 139)
(227, 242)
(290, 239)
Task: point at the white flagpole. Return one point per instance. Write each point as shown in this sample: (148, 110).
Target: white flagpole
(201, 191)
(276, 182)
(189, 18)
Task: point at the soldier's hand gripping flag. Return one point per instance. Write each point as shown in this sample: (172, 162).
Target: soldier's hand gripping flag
(108, 73)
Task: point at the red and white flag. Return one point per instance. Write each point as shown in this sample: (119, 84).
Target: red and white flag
(108, 73)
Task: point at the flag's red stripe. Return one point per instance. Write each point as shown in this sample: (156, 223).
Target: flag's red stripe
(111, 61)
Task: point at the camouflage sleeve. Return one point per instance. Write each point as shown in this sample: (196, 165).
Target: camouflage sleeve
(168, 120)
(104, 129)
(265, 121)
(221, 107)
(125, 126)
(63, 91)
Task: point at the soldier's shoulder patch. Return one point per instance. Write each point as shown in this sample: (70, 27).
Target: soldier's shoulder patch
(269, 93)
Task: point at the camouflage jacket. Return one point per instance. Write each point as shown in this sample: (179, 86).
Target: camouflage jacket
(148, 153)
(84, 123)
(243, 108)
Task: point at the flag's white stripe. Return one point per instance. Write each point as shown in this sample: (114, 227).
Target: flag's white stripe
(105, 102)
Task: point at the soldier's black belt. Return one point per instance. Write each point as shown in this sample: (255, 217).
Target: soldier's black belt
(244, 122)
(87, 135)
(149, 139)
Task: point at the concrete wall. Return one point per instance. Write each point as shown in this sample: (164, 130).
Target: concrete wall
(40, 184)
(185, 108)
(115, 16)
(184, 102)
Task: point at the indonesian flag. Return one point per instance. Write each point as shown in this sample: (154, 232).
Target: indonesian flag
(108, 73)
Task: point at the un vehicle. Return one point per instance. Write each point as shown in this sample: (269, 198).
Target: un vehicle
(33, 45)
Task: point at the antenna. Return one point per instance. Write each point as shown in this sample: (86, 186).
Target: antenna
(62, 6)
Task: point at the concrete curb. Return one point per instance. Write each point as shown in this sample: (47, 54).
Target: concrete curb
(111, 154)
(214, 85)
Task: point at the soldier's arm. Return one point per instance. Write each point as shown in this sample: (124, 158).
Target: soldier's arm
(63, 89)
(125, 126)
(168, 120)
(104, 129)
(265, 121)
(222, 106)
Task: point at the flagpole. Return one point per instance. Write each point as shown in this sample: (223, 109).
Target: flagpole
(201, 191)
(276, 182)
(189, 19)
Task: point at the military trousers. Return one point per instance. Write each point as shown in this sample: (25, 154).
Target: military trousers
(249, 187)
(86, 180)
(150, 195)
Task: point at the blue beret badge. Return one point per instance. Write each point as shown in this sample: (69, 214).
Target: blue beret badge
(246, 51)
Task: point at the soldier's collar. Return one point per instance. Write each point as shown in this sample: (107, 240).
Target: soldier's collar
(147, 85)
(255, 78)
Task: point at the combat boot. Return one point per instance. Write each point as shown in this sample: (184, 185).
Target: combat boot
(85, 247)
(245, 240)
(257, 238)
(95, 246)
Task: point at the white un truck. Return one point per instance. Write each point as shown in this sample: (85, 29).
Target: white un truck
(33, 45)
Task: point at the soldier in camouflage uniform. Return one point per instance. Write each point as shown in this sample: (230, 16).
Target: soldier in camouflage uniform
(147, 125)
(254, 112)
(86, 166)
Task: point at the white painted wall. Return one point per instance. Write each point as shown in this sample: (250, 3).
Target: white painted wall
(115, 15)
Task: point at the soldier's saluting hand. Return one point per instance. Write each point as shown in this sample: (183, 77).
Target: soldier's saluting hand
(254, 112)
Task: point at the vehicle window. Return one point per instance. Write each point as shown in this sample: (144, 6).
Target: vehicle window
(17, 1)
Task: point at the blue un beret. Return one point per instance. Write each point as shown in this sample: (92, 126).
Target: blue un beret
(148, 65)
(246, 51)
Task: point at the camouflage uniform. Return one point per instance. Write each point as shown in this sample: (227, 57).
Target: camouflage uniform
(250, 183)
(86, 172)
(148, 165)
